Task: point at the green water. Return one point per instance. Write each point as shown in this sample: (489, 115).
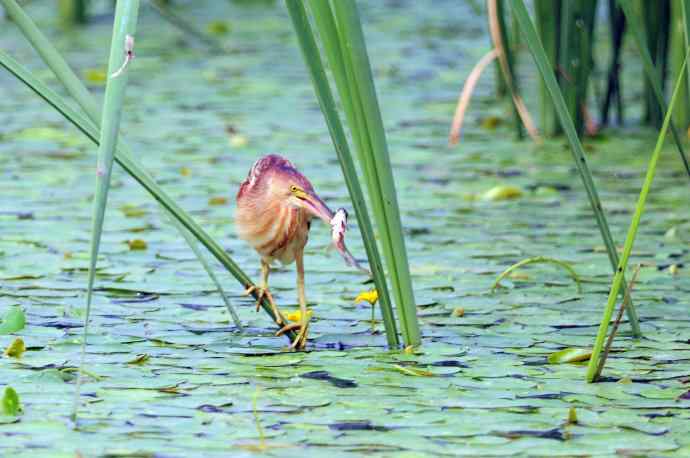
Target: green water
(482, 383)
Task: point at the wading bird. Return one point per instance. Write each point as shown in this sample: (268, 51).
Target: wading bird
(275, 206)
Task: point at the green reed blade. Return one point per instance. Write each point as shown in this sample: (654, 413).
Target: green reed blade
(328, 106)
(617, 283)
(547, 13)
(685, 12)
(681, 114)
(124, 28)
(378, 169)
(537, 50)
(344, 79)
(651, 72)
(136, 171)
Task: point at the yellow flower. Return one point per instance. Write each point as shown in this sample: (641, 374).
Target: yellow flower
(297, 315)
(368, 296)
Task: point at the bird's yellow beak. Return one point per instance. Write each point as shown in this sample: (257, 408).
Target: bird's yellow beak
(299, 193)
(313, 204)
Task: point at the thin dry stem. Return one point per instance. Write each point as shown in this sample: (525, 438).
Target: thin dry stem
(495, 32)
(466, 95)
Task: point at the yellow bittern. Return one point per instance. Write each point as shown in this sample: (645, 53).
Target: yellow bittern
(275, 206)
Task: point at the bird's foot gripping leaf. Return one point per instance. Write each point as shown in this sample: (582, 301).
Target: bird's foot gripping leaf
(300, 341)
(338, 228)
(262, 292)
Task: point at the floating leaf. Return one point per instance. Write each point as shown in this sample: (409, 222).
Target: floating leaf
(10, 402)
(49, 134)
(218, 200)
(16, 349)
(96, 76)
(13, 321)
(572, 416)
(502, 192)
(491, 122)
(569, 355)
(139, 359)
(132, 211)
(218, 27)
(238, 141)
(137, 244)
(413, 371)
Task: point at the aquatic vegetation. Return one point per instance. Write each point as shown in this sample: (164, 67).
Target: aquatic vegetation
(124, 27)
(168, 371)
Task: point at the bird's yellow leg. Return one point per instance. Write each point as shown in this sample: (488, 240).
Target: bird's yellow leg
(300, 341)
(264, 292)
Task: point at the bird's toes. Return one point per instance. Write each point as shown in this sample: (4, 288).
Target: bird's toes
(287, 328)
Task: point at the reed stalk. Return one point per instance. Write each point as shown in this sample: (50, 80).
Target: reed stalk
(613, 84)
(681, 113)
(540, 58)
(655, 19)
(575, 56)
(124, 28)
(685, 12)
(653, 79)
(616, 323)
(593, 368)
(372, 149)
(340, 30)
(72, 12)
(547, 14)
(328, 106)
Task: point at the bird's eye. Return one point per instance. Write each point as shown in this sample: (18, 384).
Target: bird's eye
(294, 189)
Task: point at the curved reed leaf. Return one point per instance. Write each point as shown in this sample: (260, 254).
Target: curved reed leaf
(535, 260)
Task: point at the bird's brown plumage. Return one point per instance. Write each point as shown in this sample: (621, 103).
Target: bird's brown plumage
(265, 218)
(275, 205)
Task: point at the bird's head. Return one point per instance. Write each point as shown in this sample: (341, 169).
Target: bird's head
(299, 193)
(281, 182)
